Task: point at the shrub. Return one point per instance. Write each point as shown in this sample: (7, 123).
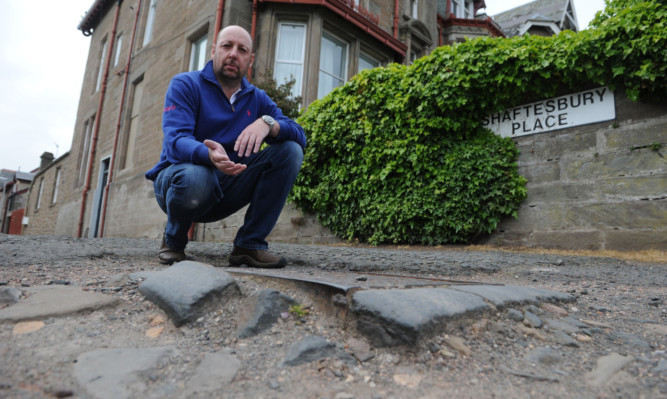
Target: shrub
(398, 154)
(281, 94)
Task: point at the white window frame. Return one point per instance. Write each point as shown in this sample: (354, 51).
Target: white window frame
(100, 72)
(39, 193)
(198, 54)
(85, 149)
(54, 197)
(346, 61)
(463, 9)
(414, 9)
(297, 90)
(119, 47)
(150, 20)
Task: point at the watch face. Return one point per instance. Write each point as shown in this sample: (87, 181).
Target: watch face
(268, 119)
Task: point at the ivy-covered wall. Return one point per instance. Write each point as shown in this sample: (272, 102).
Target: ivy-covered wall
(399, 154)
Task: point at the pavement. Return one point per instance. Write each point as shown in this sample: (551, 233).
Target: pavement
(388, 317)
(188, 290)
(388, 302)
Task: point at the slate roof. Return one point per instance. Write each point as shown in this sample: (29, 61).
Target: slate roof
(555, 11)
(8, 176)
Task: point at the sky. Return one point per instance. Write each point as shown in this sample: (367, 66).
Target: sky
(41, 72)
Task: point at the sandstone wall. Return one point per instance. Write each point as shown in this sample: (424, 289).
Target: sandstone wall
(598, 186)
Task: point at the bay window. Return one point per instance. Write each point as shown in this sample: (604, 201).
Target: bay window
(333, 64)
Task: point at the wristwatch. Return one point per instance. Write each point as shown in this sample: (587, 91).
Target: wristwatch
(268, 119)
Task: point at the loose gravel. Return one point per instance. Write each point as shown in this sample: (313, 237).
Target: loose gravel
(618, 352)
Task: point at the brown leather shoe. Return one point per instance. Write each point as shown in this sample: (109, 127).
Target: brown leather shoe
(255, 258)
(168, 256)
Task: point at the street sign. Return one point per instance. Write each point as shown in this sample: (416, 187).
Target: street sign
(590, 106)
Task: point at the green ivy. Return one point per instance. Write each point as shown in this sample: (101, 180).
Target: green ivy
(398, 154)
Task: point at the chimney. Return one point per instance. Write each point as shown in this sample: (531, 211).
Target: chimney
(47, 159)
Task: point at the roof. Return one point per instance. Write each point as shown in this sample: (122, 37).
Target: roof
(8, 176)
(513, 21)
(93, 16)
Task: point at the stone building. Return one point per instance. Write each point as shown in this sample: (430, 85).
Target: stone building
(138, 45)
(15, 189)
(46, 195)
(14, 186)
(459, 20)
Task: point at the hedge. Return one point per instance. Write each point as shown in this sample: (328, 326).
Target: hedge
(398, 154)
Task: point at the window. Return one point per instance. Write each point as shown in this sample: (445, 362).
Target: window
(100, 72)
(148, 32)
(85, 149)
(468, 10)
(54, 197)
(333, 64)
(367, 62)
(128, 159)
(290, 55)
(463, 9)
(39, 193)
(119, 47)
(198, 54)
(414, 8)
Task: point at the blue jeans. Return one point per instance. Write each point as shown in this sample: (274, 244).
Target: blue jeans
(190, 193)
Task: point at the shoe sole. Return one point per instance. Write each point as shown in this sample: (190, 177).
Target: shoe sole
(239, 260)
(169, 261)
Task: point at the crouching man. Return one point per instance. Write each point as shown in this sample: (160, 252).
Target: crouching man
(211, 166)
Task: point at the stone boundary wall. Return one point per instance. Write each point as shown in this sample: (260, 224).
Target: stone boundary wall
(598, 186)
(293, 226)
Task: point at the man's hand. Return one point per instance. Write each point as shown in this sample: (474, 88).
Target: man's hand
(219, 158)
(251, 138)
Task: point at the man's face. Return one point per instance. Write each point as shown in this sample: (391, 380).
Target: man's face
(232, 55)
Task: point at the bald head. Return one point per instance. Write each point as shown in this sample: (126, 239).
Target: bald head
(232, 57)
(235, 31)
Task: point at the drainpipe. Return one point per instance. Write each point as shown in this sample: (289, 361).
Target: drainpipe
(253, 27)
(396, 19)
(218, 20)
(118, 124)
(96, 132)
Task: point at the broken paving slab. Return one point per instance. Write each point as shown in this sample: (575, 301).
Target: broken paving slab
(506, 295)
(121, 372)
(188, 290)
(312, 348)
(55, 301)
(261, 310)
(405, 316)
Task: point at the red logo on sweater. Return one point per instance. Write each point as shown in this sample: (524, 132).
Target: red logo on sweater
(170, 108)
(248, 112)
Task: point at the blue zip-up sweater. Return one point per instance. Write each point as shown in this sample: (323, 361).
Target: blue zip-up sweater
(196, 109)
